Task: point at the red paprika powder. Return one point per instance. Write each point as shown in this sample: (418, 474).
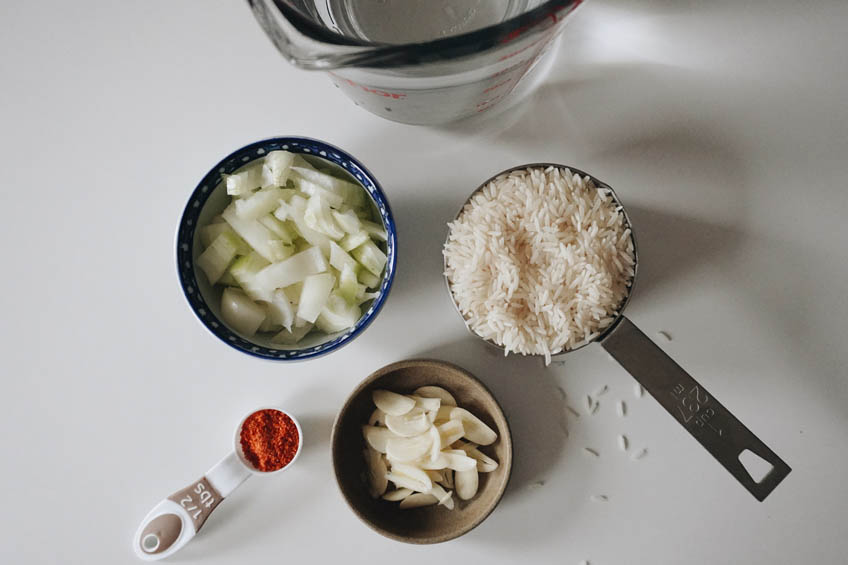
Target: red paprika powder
(269, 440)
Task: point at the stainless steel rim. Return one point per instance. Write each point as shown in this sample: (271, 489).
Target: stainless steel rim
(600, 185)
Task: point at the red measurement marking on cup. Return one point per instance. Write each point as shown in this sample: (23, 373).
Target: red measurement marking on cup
(555, 16)
(525, 48)
(496, 86)
(377, 91)
(507, 70)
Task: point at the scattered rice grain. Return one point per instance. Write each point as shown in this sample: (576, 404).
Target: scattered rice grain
(638, 390)
(599, 498)
(621, 408)
(622, 442)
(601, 391)
(639, 454)
(591, 452)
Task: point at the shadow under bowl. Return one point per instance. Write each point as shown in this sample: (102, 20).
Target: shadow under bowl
(429, 524)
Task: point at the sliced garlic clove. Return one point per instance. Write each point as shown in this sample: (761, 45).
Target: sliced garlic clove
(398, 494)
(392, 403)
(408, 425)
(466, 483)
(451, 431)
(377, 472)
(427, 404)
(435, 443)
(413, 473)
(377, 417)
(443, 496)
(459, 461)
(485, 464)
(409, 448)
(403, 481)
(440, 462)
(435, 476)
(436, 392)
(444, 413)
(475, 430)
(418, 500)
(377, 437)
(448, 475)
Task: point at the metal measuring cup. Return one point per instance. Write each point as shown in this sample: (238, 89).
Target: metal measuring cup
(176, 520)
(704, 417)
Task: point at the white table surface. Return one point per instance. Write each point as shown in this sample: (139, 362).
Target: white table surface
(722, 125)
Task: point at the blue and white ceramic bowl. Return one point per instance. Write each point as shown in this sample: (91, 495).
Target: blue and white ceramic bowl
(209, 198)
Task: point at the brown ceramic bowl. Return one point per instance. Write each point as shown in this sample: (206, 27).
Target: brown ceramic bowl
(429, 524)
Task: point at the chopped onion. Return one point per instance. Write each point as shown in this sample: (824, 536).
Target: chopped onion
(288, 222)
(337, 315)
(218, 256)
(279, 310)
(313, 297)
(292, 337)
(354, 240)
(293, 270)
(319, 218)
(348, 221)
(240, 312)
(244, 271)
(259, 204)
(276, 168)
(278, 228)
(245, 181)
(375, 230)
(255, 234)
(370, 257)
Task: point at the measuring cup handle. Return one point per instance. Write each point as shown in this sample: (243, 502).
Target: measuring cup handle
(725, 437)
(176, 520)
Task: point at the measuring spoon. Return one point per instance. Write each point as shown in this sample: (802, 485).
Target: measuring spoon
(704, 417)
(176, 520)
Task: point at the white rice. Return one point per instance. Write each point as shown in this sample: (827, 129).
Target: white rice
(539, 261)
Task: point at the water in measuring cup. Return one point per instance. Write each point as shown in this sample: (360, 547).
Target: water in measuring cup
(410, 21)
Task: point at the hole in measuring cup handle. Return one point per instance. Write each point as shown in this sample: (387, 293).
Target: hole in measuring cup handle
(160, 534)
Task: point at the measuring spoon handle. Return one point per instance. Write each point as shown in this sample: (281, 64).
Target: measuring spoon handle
(176, 520)
(724, 436)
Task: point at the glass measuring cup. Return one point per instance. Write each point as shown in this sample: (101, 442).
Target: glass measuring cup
(418, 61)
(704, 417)
(176, 520)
